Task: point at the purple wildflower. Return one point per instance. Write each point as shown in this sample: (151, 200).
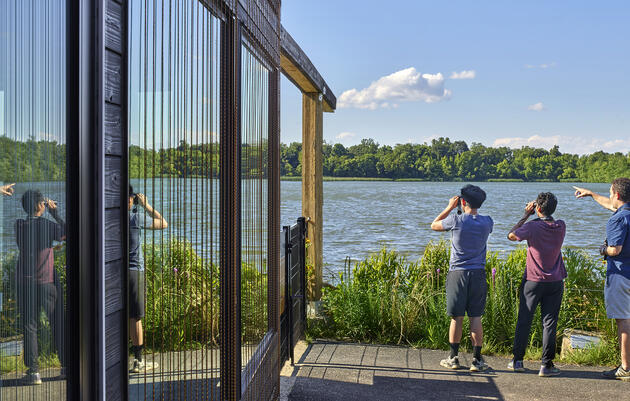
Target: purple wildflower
(438, 271)
(494, 273)
(175, 270)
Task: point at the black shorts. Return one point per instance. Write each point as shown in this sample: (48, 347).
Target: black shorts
(466, 292)
(136, 294)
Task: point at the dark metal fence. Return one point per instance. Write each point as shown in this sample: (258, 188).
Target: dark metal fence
(293, 305)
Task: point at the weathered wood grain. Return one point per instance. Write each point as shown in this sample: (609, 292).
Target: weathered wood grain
(113, 185)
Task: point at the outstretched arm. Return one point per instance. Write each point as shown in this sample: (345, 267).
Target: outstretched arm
(7, 190)
(601, 199)
(437, 223)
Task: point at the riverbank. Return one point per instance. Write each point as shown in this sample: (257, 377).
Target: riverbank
(385, 299)
(331, 178)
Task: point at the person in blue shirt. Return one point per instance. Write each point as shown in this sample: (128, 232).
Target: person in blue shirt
(466, 286)
(616, 251)
(142, 216)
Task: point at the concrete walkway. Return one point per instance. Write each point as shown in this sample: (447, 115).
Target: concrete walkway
(347, 372)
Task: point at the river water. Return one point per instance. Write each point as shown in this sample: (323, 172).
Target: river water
(361, 217)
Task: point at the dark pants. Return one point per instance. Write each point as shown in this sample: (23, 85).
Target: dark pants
(33, 297)
(549, 296)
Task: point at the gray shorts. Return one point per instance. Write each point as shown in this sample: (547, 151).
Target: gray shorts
(136, 294)
(466, 292)
(617, 296)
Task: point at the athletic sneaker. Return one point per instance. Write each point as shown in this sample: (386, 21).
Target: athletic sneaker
(478, 365)
(32, 379)
(450, 363)
(618, 373)
(142, 366)
(546, 371)
(516, 366)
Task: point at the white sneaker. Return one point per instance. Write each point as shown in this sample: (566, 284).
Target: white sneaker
(450, 363)
(142, 366)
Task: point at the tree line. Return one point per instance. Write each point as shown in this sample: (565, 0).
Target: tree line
(441, 160)
(446, 160)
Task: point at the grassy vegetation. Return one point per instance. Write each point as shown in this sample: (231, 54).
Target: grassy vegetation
(389, 300)
(182, 303)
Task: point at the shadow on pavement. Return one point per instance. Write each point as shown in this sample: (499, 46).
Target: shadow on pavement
(393, 388)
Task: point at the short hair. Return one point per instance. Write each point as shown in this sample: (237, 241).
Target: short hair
(621, 186)
(473, 195)
(30, 200)
(131, 193)
(547, 202)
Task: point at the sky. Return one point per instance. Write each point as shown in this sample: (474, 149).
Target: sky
(501, 73)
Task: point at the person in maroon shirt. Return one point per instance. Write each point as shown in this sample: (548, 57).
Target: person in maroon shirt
(38, 285)
(542, 280)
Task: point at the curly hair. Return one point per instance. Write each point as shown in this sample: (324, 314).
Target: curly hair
(622, 187)
(547, 202)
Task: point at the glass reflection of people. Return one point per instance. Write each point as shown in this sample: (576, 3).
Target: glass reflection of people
(142, 216)
(38, 284)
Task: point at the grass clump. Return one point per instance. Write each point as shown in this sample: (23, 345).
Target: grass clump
(389, 300)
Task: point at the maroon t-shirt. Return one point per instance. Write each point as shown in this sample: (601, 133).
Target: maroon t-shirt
(544, 249)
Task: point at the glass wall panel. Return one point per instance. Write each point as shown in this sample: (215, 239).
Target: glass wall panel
(255, 202)
(174, 205)
(32, 199)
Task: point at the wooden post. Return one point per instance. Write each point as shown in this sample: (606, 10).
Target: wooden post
(312, 184)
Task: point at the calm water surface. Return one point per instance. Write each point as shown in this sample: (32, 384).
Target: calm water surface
(361, 217)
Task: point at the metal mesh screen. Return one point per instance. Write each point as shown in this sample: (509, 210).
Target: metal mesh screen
(174, 115)
(32, 199)
(254, 201)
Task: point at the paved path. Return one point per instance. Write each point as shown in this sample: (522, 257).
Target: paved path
(348, 372)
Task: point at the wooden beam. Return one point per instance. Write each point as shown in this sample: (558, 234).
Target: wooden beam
(300, 70)
(312, 184)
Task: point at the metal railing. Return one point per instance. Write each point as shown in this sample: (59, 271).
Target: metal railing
(293, 287)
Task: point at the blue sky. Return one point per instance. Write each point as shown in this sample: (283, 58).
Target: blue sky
(536, 72)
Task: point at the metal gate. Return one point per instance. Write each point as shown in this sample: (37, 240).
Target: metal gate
(293, 302)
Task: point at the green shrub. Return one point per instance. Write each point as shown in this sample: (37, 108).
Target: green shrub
(183, 295)
(387, 299)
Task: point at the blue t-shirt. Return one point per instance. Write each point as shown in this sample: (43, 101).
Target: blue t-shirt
(138, 221)
(469, 234)
(618, 233)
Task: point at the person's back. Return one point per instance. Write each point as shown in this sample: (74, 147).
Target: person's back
(544, 249)
(469, 236)
(35, 236)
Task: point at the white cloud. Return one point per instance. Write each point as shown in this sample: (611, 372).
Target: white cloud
(406, 85)
(542, 66)
(536, 107)
(567, 144)
(466, 74)
(346, 135)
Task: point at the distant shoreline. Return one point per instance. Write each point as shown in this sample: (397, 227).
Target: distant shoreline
(328, 178)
